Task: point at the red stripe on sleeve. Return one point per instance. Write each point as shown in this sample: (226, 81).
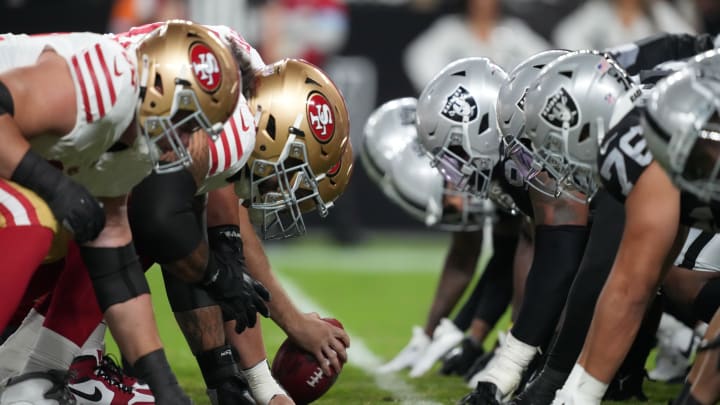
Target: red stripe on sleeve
(96, 85)
(83, 90)
(26, 204)
(238, 143)
(106, 72)
(213, 156)
(226, 144)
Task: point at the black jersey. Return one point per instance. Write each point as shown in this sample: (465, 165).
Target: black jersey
(508, 183)
(624, 156)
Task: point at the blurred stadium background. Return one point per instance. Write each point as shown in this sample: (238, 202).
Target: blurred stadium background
(368, 263)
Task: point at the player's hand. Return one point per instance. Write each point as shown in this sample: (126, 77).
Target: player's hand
(325, 341)
(239, 295)
(77, 210)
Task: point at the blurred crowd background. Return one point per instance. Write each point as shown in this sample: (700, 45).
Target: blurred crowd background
(377, 50)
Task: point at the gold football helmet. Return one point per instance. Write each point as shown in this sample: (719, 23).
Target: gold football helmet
(302, 129)
(188, 81)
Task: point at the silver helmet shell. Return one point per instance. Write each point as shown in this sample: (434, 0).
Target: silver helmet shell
(387, 131)
(511, 119)
(568, 109)
(681, 125)
(457, 125)
(402, 170)
(422, 191)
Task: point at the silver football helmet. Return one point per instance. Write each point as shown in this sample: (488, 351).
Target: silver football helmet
(401, 168)
(511, 120)
(387, 131)
(681, 125)
(568, 108)
(457, 125)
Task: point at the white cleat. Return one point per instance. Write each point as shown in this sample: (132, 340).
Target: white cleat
(410, 354)
(445, 337)
(38, 388)
(676, 344)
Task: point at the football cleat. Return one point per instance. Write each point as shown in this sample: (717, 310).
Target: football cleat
(38, 388)
(410, 354)
(98, 380)
(485, 393)
(445, 337)
(676, 343)
(234, 391)
(541, 390)
(459, 360)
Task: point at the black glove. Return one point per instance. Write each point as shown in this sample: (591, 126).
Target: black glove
(72, 204)
(239, 295)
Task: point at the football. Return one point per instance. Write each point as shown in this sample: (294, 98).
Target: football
(299, 372)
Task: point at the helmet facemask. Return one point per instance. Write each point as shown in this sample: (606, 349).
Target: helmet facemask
(277, 188)
(165, 133)
(464, 174)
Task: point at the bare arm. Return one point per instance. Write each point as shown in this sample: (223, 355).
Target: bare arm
(43, 99)
(652, 217)
(325, 341)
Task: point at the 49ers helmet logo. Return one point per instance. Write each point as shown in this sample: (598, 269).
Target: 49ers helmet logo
(321, 117)
(205, 67)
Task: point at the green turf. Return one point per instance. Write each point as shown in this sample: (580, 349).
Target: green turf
(379, 290)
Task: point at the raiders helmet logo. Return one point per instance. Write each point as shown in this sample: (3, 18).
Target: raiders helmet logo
(205, 67)
(321, 116)
(460, 106)
(560, 110)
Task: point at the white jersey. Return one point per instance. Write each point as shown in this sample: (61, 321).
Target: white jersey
(106, 95)
(231, 149)
(701, 251)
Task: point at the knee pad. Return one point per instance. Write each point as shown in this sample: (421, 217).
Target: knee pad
(185, 296)
(116, 274)
(165, 216)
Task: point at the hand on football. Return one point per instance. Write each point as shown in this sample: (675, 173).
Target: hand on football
(327, 342)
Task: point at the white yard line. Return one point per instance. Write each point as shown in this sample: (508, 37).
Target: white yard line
(359, 355)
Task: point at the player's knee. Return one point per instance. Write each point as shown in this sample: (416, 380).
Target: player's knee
(163, 216)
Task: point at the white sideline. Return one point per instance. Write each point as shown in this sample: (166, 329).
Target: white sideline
(359, 355)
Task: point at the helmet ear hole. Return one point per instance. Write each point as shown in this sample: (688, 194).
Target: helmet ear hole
(584, 133)
(483, 124)
(270, 127)
(158, 84)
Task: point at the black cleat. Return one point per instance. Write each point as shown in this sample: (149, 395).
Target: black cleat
(234, 391)
(541, 390)
(485, 393)
(627, 386)
(479, 365)
(460, 359)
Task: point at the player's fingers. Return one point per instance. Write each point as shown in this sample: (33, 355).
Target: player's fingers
(339, 347)
(324, 362)
(332, 355)
(343, 336)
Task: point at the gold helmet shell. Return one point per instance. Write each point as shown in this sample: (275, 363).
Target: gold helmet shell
(189, 80)
(336, 180)
(302, 129)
